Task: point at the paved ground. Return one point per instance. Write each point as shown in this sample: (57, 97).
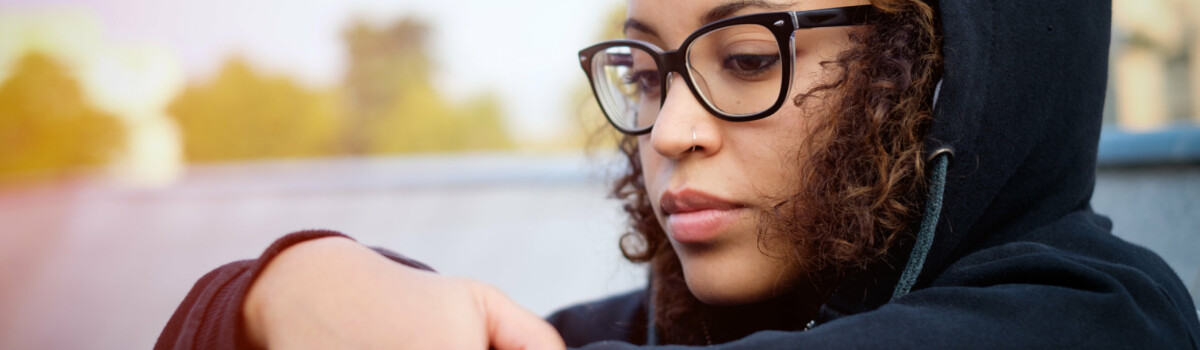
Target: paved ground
(88, 266)
(98, 266)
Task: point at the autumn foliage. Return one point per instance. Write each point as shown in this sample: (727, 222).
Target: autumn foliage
(386, 103)
(242, 114)
(47, 126)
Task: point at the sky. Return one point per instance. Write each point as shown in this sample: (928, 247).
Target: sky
(523, 50)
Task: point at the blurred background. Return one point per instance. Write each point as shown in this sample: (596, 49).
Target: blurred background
(144, 143)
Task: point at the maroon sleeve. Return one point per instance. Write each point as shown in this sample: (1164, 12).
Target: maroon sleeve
(210, 317)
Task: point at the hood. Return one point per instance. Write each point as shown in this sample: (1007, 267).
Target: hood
(1020, 106)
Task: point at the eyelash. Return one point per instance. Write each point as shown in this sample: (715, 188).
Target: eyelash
(638, 77)
(730, 64)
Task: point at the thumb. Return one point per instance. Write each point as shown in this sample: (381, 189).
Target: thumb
(511, 327)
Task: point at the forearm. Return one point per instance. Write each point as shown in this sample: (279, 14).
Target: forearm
(211, 315)
(306, 266)
(331, 292)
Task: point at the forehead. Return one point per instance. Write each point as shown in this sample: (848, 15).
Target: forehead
(673, 20)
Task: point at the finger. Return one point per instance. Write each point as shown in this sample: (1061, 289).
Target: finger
(511, 327)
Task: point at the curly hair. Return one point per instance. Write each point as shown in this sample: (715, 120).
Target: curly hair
(859, 189)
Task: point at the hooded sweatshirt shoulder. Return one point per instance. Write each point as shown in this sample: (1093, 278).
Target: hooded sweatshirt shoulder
(617, 318)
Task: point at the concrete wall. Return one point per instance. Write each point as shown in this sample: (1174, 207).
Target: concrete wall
(1157, 207)
(1149, 184)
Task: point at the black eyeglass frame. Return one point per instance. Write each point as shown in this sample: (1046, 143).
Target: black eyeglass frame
(781, 24)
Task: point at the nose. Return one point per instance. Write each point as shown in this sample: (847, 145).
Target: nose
(683, 126)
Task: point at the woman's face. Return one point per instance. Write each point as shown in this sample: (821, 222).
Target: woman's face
(710, 194)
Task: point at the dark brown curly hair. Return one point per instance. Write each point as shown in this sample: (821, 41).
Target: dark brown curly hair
(861, 182)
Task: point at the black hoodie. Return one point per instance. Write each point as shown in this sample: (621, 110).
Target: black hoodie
(1018, 259)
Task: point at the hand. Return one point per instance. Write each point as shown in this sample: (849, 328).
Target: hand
(334, 293)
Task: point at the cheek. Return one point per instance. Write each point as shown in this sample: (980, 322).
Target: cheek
(653, 171)
(774, 174)
(777, 155)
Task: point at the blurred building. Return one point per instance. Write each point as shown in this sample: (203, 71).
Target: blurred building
(1155, 64)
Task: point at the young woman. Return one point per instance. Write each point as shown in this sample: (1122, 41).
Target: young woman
(807, 174)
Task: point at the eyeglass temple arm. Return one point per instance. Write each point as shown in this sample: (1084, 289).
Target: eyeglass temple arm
(834, 17)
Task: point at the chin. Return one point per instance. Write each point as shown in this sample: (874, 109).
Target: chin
(729, 282)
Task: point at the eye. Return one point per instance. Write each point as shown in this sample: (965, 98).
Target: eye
(646, 81)
(750, 66)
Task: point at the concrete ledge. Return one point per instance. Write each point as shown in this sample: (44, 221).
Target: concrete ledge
(1175, 146)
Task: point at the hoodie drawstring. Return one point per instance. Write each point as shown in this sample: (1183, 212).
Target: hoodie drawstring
(933, 207)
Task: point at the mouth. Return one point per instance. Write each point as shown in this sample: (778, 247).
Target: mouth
(696, 217)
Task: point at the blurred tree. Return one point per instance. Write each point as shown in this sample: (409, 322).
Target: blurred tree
(46, 124)
(243, 114)
(392, 105)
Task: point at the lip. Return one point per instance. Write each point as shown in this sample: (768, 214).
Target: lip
(695, 217)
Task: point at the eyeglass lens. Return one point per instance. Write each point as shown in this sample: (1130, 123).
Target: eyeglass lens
(736, 70)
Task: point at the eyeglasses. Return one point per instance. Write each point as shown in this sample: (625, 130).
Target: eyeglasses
(737, 67)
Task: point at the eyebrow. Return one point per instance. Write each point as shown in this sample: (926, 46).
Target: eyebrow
(725, 10)
(713, 15)
(639, 26)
